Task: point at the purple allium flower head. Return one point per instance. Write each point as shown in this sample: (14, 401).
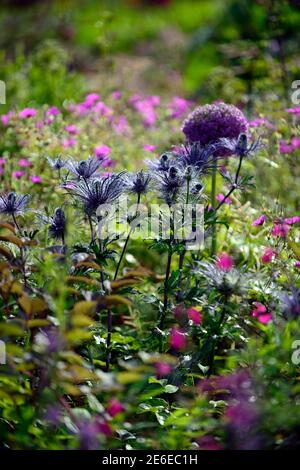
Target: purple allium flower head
(212, 122)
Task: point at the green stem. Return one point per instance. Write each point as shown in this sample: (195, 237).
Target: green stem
(213, 203)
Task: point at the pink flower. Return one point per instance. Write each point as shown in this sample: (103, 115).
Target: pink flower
(24, 163)
(280, 230)
(39, 125)
(285, 148)
(116, 95)
(209, 443)
(35, 179)
(91, 98)
(178, 106)
(102, 151)
(69, 142)
(106, 174)
(114, 407)
(292, 220)
(177, 339)
(261, 314)
(260, 221)
(72, 129)
(5, 118)
(268, 255)
(162, 369)
(149, 147)
(295, 142)
(18, 174)
(260, 122)
(27, 113)
(104, 428)
(120, 125)
(103, 110)
(297, 264)
(295, 110)
(52, 111)
(2, 161)
(221, 198)
(194, 315)
(225, 262)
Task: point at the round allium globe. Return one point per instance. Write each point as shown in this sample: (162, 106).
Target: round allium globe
(211, 122)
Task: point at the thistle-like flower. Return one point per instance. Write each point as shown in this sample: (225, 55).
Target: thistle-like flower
(96, 192)
(85, 168)
(56, 163)
(196, 156)
(170, 183)
(13, 204)
(137, 183)
(163, 164)
(240, 146)
(226, 282)
(57, 226)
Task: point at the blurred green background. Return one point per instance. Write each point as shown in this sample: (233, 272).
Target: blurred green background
(234, 50)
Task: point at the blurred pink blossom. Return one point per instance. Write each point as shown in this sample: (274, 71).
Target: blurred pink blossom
(225, 262)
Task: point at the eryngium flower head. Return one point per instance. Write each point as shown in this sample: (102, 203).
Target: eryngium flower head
(85, 168)
(226, 283)
(240, 146)
(162, 164)
(96, 192)
(195, 155)
(137, 183)
(58, 224)
(170, 183)
(13, 203)
(207, 124)
(56, 163)
(290, 304)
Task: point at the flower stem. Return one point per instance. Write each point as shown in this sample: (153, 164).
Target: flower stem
(213, 203)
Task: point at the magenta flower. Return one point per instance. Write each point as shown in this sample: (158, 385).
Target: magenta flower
(177, 339)
(280, 230)
(69, 142)
(27, 113)
(101, 109)
(150, 148)
(18, 174)
(297, 264)
(72, 129)
(5, 118)
(39, 125)
(194, 315)
(295, 110)
(116, 95)
(114, 407)
(24, 163)
(120, 125)
(224, 262)
(292, 220)
(221, 198)
(36, 179)
(261, 314)
(91, 98)
(284, 147)
(2, 161)
(268, 255)
(52, 111)
(260, 221)
(162, 369)
(102, 151)
(260, 122)
(178, 106)
(209, 123)
(208, 443)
